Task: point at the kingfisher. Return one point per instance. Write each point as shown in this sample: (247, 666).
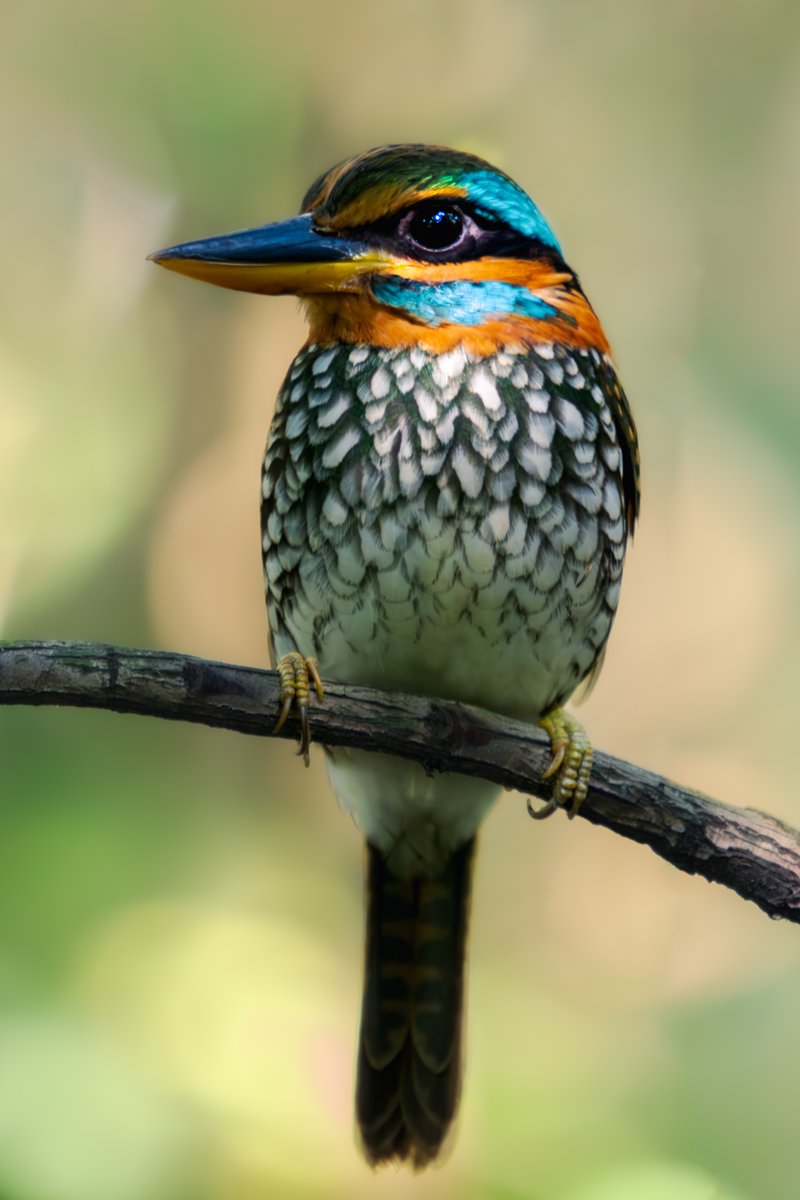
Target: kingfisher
(450, 479)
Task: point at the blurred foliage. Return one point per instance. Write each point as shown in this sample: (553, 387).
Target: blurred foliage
(180, 924)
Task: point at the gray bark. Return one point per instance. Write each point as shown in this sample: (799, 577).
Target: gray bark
(746, 850)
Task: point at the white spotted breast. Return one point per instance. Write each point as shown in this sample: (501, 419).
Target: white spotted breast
(446, 525)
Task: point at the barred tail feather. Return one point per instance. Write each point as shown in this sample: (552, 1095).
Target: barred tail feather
(409, 1055)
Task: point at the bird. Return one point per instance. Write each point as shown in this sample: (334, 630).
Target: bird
(450, 481)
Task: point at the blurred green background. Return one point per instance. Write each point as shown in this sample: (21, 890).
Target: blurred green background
(180, 909)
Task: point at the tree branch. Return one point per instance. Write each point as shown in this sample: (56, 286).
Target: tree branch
(754, 854)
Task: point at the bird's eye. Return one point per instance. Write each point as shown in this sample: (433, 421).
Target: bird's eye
(435, 227)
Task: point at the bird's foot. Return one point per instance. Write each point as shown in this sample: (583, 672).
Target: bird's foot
(570, 765)
(297, 675)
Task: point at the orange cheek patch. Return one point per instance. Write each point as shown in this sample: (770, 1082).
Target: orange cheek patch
(530, 273)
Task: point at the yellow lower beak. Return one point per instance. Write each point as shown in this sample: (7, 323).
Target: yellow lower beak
(287, 257)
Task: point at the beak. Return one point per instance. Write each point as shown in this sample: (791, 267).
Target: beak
(287, 257)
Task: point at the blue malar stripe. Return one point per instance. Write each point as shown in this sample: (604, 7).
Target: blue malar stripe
(459, 302)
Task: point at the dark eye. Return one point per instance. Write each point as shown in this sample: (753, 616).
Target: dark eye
(438, 227)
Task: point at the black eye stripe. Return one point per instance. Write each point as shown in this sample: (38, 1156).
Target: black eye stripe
(420, 232)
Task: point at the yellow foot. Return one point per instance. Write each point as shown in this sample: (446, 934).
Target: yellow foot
(297, 674)
(570, 765)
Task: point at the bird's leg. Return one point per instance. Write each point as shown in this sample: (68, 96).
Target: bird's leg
(570, 765)
(297, 675)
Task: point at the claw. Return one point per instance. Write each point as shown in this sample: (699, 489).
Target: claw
(559, 751)
(540, 814)
(296, 675)
(570, 765)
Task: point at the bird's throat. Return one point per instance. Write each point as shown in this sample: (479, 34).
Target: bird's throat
(356, 318)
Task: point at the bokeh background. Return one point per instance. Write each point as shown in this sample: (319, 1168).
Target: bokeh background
(180, 909)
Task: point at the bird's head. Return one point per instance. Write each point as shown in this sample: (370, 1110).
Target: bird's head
(409, 245)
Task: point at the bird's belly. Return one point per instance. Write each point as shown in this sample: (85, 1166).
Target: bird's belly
(468, 624)
(457, 624)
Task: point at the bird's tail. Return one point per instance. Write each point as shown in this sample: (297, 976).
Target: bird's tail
(409, 1052)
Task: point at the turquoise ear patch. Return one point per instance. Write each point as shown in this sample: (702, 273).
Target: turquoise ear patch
(501, 198)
